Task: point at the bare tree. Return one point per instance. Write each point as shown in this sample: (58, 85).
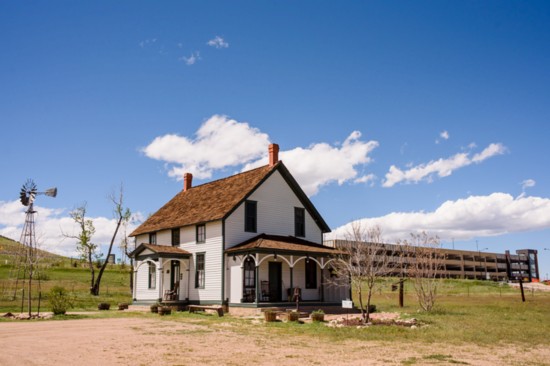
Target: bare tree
(126, 248)
(86, 249)
(423, 261)
(363, 259)
(122, 215)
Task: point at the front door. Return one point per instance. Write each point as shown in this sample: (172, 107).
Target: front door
(275, 281)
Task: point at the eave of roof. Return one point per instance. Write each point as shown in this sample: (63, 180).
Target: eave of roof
(161, 251)
(264, 243)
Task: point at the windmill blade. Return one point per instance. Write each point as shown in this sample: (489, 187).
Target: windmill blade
(23, 196)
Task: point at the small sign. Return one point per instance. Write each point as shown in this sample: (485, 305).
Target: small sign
(347, 304)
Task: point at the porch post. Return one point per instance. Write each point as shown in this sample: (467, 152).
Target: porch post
(257, 280)
(242, 280)
(322, 286)
(291, 282)
(291, 277)
(134, 274)
(160, 278)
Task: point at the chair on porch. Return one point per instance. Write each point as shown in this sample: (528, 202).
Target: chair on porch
(171, 295)
(264, 291)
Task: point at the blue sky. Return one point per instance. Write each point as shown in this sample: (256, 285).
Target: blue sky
(452, 95)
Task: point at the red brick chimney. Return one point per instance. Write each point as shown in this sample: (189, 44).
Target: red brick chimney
(273, 154)
(187, 181)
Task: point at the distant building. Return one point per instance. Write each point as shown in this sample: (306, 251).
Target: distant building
(467, 264)
(111, 259)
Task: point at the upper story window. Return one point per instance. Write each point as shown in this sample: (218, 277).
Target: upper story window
(152, 238)
(299, 222)
(250, 216)
(175, 237)
(201, 233)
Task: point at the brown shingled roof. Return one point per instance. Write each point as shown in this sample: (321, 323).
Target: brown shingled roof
(206, 202)
(276, 243)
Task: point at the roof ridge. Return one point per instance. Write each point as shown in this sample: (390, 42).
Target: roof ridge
(233, 176)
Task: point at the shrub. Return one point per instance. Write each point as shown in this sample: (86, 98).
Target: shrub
(60, 300)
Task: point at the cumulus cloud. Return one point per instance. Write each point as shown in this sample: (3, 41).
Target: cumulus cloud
(218, 144)
(369, 178)
(321, 164)
(192, 59)
(464, 219)
(50, 226)
(218, 42)
(441, 167)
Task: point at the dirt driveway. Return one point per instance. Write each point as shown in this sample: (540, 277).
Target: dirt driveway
(138, 341)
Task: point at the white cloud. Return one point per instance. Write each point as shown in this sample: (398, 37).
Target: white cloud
(528, 183)
(441, 167)
(192, 59)
(321, 164)
(50, 225)
(147, 42)
(218, 144)
(218, 42)
(369, 178)
(464, 219)
(444, 135)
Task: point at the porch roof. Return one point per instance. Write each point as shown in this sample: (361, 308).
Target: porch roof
(159, 251)
(281, 244)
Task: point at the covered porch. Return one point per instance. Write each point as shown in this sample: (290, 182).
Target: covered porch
(277, 271)
(161, 274)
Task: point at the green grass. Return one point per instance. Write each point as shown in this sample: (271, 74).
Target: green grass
(60, 271)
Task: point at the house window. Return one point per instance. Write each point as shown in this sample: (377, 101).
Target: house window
(152, 276)
(152, 238)
(249, 274)
(199, 271)
(311, 274)
(175, 237)
(299, 222)
(201, 233)
(250, 216)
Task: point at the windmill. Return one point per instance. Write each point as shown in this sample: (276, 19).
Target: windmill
(26, 258)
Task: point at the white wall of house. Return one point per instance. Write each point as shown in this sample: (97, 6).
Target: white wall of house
(212, 248)
(143, 292)
(275, 214)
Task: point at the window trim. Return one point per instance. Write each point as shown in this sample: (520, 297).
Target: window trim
(299, 222)
(176, 242)
(200, 284)
(197, 228)
(248, 205)
(153, 238)
(311, 274)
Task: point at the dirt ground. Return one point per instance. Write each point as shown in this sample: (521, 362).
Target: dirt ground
(138, 341)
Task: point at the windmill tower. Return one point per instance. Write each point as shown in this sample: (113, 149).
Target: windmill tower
(25, 263)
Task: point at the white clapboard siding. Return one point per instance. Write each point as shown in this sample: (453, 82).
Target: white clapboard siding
(275, 214)
(143, 292)
(212, 249)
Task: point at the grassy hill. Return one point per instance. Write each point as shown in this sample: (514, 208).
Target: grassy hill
(56, 270)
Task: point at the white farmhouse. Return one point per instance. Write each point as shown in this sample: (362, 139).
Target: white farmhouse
(253, 239)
